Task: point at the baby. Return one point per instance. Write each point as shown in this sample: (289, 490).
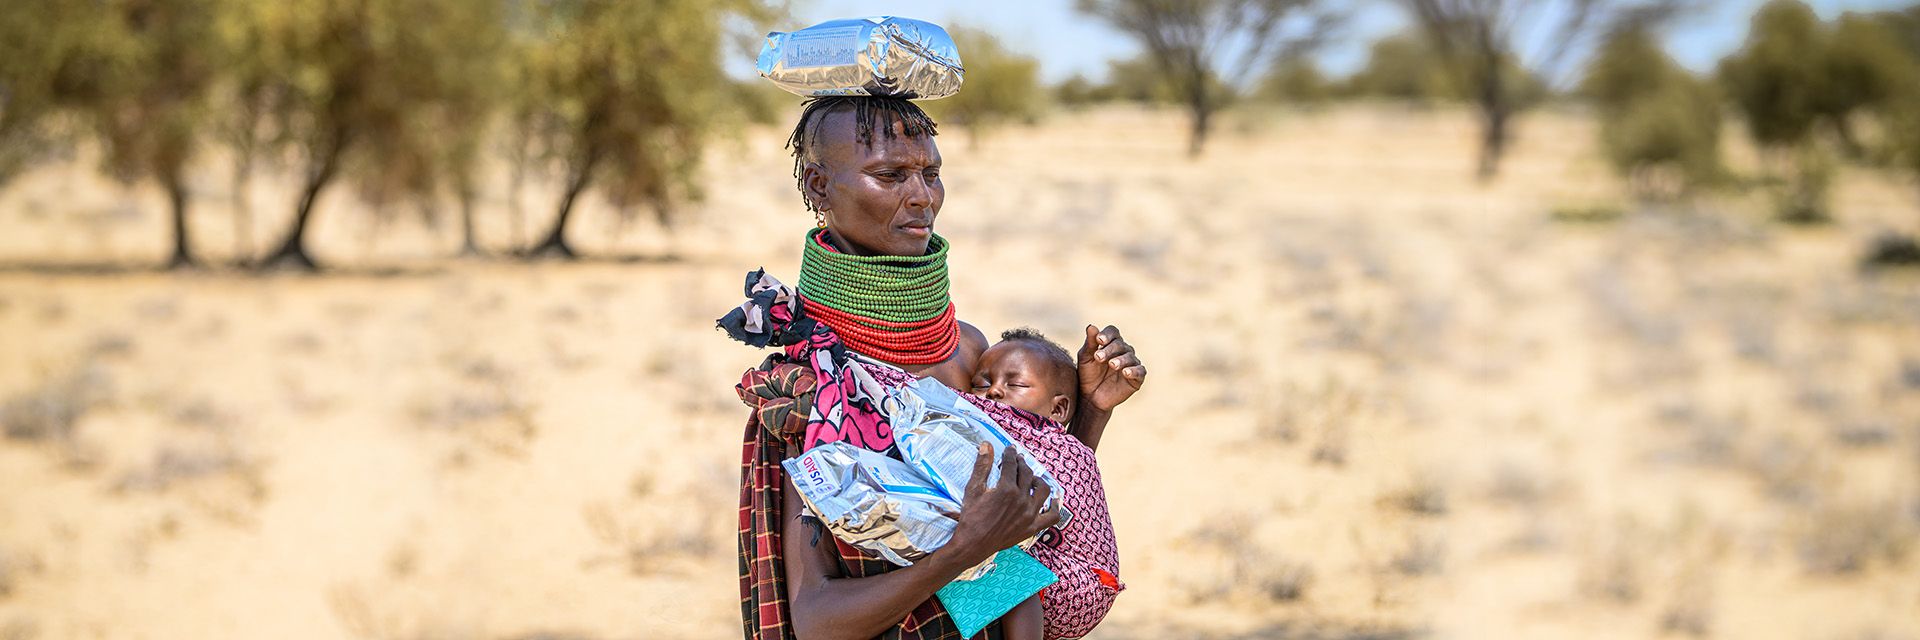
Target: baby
(1027, 371)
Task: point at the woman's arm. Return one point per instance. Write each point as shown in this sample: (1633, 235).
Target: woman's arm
(827, 605)
(1110, 371)
(1088, 424)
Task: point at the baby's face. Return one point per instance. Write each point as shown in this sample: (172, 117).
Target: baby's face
(1018, 374)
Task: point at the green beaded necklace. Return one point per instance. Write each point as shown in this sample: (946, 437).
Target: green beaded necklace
(889, 288)
(896, 308)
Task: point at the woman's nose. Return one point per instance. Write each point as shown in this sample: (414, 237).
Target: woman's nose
(919, 193)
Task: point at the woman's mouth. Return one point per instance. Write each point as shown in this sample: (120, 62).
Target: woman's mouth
(917, 230)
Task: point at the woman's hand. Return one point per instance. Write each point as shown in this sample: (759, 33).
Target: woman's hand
(1110, 371)
(1000, 516)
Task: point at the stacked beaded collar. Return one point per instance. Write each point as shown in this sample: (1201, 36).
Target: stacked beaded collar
(894, 308)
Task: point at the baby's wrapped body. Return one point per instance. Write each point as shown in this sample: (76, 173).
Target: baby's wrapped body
(1081, 550)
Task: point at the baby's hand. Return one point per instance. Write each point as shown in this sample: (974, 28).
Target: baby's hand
(1110, 371)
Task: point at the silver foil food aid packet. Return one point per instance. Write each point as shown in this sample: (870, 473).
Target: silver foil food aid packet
(877, 56)
(873, 502)
(939, 435)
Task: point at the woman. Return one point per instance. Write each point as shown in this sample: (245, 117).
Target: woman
(875, 274)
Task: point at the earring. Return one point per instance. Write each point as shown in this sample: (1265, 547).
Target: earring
(820, 218)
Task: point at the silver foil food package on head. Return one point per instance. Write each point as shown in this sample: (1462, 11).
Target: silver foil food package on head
(939, 435)
(877, 56)
(873, 502)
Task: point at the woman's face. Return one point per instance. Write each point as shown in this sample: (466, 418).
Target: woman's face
(879, 199)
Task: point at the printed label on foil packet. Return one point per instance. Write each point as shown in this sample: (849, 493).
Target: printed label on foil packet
(822, 48)
(872, 501)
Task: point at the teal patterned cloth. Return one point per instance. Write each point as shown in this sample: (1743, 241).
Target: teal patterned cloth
(973, 604)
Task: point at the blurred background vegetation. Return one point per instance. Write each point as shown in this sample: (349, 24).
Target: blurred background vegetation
(403, 103)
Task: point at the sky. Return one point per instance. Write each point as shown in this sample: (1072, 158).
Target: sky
(1069, 43)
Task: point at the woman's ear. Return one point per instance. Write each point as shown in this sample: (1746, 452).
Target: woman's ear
(1062, 408)
(814, 177)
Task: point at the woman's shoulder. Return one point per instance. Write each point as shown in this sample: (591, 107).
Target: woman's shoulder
(972, 336)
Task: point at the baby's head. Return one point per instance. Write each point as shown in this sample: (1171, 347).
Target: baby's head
(1027, 371)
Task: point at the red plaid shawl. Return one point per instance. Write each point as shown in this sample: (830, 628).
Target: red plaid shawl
(780, 395)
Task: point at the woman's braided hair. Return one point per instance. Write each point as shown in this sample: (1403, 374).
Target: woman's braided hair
(869, 114)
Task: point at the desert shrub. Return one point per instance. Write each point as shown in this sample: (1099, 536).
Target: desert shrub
(1424, 555)
(1866, 68)
(50, 413)
(1808, 189)
(1426, 495)
(1797, 78)
(1076, 91)
(1587, 214)
(1003, 86)
(1296, 80)
(1659, 126)
(1691, 610)
(44, 71)
(1889, 250)
(1776, 80)
(1401, 67)
(1845, 539)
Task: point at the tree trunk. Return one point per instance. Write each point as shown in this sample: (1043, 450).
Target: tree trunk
(242, 212)
(293, 250)
(1849, 141)
(663, 214)
(555, 245)
(516, 212)
(1201, 111)
(467, 245)
(182, 250)
(1493, 143)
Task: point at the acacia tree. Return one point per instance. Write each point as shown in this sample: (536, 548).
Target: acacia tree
(1477, 41)
(45, 71)
(475, 100)
(1206, 49)
(1865, 68)
(438, 153)
(629, 94)
(362, 95)
(253, 85)
(163, 58)
(1002, 86)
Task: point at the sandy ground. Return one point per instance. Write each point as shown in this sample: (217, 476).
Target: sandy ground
(1386, 402)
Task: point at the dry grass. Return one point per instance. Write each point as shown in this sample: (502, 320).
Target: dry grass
(1424, 554)
(50, 412)
(1388, 402)
(1844, 539)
